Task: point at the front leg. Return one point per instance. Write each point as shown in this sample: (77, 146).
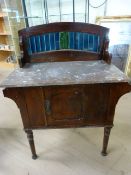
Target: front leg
(105, 140)
(31, 142)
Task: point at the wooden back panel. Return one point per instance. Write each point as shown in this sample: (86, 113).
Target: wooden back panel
(64, 41)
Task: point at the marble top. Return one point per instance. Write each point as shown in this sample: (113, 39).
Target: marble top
(64, 73)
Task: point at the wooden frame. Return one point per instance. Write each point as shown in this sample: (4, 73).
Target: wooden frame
(63, 55)
(75, 104)
(100, 19)
(125, 18)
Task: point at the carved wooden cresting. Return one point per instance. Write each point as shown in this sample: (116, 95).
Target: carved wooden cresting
(66, 79)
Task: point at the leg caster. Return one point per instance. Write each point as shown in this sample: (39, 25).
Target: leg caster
(105, 140)
(31, 142)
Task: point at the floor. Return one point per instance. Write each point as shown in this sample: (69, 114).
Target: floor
(65, 151)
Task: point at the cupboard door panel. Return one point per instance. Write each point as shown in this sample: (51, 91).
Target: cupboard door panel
(79, 104)
(63, 103)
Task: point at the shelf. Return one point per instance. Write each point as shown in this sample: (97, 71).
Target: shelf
(6, 50)
(5, 34)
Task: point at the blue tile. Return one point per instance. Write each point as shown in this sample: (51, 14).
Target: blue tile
(38, 44)
(81, 41)
(96, 43)
(57, 45)
(47, 42)
(71, 40)
(91, 42)
(76, 39)
(52, 41)
(33, 46)
(86, 44)
(42, 42)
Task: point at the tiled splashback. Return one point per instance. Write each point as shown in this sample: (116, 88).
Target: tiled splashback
(63, 40)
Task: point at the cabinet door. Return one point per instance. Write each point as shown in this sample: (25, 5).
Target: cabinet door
(78, 105)
(64, 104)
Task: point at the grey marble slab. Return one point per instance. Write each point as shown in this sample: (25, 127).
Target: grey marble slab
(64, 73)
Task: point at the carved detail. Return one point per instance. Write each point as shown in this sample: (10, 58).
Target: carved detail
(21, 59)
(105, 54)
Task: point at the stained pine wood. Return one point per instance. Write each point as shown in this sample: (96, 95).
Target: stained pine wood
(66, 102)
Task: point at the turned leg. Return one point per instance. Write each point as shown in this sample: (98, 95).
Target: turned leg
(31, 142)
(105, 140)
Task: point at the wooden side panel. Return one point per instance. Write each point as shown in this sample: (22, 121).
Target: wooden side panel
(96, 97)
(16, 94)
(116, 91)
(35, 105)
